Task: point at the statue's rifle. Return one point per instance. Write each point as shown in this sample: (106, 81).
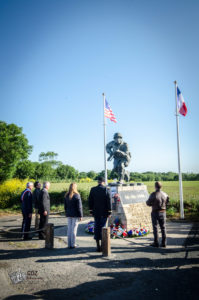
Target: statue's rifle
(110, 157)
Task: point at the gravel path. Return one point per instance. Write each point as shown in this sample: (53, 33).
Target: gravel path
(134, 270)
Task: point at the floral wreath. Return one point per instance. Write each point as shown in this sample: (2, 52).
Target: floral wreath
(118, 230)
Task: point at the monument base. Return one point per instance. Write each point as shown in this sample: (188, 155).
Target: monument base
(129, 205)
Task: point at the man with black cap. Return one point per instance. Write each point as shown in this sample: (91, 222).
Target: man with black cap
(100, 207)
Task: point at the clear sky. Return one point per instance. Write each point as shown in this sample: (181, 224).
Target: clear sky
(57, 57)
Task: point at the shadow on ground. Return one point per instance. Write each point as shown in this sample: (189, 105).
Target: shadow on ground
(146, 284)
(134, 278)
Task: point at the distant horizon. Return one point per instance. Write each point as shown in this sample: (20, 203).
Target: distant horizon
(187, 172)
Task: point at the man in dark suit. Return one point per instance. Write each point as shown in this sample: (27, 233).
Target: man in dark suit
(35, 197)
(44, 208)
(26, 207)
(100, 207)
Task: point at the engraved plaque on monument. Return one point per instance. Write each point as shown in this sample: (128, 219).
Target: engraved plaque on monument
(129, 205)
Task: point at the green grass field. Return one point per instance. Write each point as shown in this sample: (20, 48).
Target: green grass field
(190, 188)
(190, 195)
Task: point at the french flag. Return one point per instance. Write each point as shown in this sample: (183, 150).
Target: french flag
(182, 109)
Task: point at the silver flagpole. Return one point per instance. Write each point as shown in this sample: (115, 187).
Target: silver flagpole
(105, 164)
(179, 167)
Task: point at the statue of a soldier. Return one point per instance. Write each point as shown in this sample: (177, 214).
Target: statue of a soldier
(119, 151)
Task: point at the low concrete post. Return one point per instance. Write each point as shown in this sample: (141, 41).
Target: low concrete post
(106, 243)
(49, 243)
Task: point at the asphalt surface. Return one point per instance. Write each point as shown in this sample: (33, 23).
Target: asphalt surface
(133, 271)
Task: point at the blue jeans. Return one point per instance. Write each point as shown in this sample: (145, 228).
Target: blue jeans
(72, 231)
(99, 223)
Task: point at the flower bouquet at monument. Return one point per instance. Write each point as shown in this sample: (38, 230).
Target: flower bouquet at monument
(90, 227)
(139, 231)
(118, 230)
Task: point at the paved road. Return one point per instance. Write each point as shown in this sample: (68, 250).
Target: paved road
(134, 270)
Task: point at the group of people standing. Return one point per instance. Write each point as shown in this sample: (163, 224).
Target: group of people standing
(99, 202)
(41, 201)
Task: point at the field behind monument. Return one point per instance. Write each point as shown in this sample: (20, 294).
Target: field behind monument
(190, 188)
(190, 194)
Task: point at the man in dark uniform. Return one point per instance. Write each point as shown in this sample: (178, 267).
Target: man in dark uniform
(44, 208)
(158, 200)
(100, 207)
(26, 207)
(35, 196)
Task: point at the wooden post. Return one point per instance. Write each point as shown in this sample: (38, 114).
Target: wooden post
(49, 236)
(106, 243)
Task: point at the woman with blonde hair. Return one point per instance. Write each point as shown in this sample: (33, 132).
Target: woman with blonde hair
(73, 209)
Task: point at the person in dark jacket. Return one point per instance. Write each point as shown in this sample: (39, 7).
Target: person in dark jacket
(26, 207)
(44, 208)
(158, 200)
(35, 196)
(73, 209)
(100, 207)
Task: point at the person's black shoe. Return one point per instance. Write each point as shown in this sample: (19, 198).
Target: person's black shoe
(156, 245)
(163, 245)
(99, 249)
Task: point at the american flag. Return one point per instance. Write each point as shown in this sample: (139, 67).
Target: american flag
(108, 112)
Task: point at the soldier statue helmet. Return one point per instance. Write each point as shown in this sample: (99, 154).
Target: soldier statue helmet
(119, 151)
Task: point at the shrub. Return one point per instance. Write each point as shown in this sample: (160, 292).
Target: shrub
(87, 179)
(10, 192)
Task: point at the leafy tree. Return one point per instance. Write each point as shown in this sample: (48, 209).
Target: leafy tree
(25, 169)
(134, 176)
(66, 172)
(45, 171)
(102, 173)
(82, 175)
(48, 156)
(13, 148)
(91, 174)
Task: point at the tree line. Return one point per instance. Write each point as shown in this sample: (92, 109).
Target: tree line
(14, 163)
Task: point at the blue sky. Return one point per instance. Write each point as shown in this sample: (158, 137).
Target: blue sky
(57, 57)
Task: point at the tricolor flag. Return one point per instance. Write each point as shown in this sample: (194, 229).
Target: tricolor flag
(182, 109)
(108, 112)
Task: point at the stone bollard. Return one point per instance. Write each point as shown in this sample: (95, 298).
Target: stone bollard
(106, 243)
(49, 236)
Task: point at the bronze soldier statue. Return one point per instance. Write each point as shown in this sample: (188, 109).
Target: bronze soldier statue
(119, 151)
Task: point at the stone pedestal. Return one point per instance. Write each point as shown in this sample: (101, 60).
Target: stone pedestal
(129, 205)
